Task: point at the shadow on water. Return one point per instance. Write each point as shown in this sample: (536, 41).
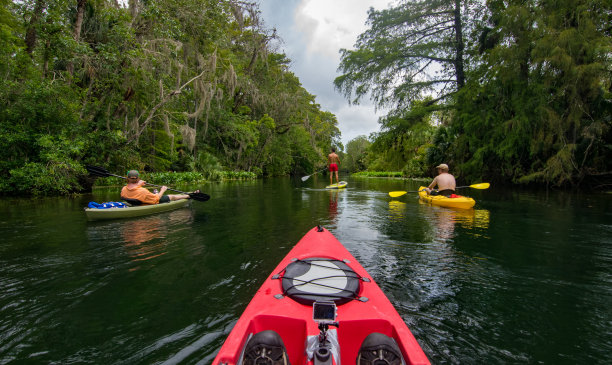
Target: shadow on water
(522, 278)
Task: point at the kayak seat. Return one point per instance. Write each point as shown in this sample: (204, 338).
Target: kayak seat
(134, 202)
(379, 349)
(320, 279)
(265, 348)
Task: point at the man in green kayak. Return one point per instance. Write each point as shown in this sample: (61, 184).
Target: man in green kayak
(135, 192)
(333, 161)
(445, 181)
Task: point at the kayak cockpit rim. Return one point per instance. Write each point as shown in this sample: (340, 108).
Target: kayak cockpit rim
(316, 279)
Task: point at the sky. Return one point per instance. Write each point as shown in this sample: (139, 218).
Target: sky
(312, 34)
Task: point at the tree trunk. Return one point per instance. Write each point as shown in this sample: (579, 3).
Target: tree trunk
(459, 47)
(78, 24)
(133, 5)
(31, 34)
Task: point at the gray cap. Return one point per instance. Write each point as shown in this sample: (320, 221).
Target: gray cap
(132, 173)
(442, 166)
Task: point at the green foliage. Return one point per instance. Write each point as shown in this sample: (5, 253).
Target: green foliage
(209, 165)
(535, 107)
(542, 115)
(174, 178)
(404, 142)
(180, 178)
(9, 27)
(238, 175)
(56, 173)
(356, 153)
(378, 174)
(410, 50)
(190, 86)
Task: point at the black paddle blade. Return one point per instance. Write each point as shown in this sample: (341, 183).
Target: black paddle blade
(199, 196)
(97, 171)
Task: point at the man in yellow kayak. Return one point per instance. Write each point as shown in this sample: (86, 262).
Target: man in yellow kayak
(445, 181)
(135, 192)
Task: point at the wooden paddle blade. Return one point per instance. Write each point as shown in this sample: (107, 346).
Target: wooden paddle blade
(199, 196)
(480, 186)
(395, 194)
(97, 171)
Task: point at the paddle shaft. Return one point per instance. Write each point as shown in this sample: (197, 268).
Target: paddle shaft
(396, 194)
(308, 177)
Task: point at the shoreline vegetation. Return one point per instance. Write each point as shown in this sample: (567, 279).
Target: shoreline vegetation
(184, 178)
(378, 174)
(390, 174)
(522, 94)
(178, 178)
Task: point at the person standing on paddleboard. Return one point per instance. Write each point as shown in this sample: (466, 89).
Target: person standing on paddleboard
(135, 192)
(445, 181)
(333, 161)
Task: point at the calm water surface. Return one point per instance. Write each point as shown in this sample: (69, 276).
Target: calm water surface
(525, 277)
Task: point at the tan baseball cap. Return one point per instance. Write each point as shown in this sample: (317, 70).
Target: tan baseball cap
(442, 166)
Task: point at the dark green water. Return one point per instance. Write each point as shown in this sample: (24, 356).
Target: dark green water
(524, 278)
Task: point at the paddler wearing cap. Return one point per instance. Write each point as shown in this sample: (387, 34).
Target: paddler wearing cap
(135, 192)
(445, 182)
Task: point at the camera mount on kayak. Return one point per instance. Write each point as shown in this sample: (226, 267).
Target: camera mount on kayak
(324, 313)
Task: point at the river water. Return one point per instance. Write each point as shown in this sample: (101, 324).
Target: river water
(525, 277)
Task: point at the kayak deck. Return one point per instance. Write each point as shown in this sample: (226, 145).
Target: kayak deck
(134, 211)
(461, 202)
(361, 309)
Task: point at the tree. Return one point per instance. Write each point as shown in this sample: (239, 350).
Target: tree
(403, 141)
(538, 109)
(9, 26)
(356, 153)
(162, 84)
(409, 51)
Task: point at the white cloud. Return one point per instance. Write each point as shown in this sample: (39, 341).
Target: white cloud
(357, 120)
(330, 25)
(314, 31)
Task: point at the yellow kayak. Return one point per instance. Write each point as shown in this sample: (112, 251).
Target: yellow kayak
(340, 185)
(461, 202)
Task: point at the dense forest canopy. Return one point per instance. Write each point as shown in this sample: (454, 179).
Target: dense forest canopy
(156, 85)
(504, 91)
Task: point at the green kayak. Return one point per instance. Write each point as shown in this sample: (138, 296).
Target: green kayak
(94, 214)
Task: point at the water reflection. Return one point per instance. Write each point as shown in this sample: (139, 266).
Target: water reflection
(141, 239)
(333, 205)
(475, 221)
(397, 210)
(144, 239)
(147, 239)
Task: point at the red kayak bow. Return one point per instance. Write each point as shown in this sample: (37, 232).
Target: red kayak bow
(319, 299)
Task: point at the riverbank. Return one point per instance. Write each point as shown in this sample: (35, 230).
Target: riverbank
(176, 178)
